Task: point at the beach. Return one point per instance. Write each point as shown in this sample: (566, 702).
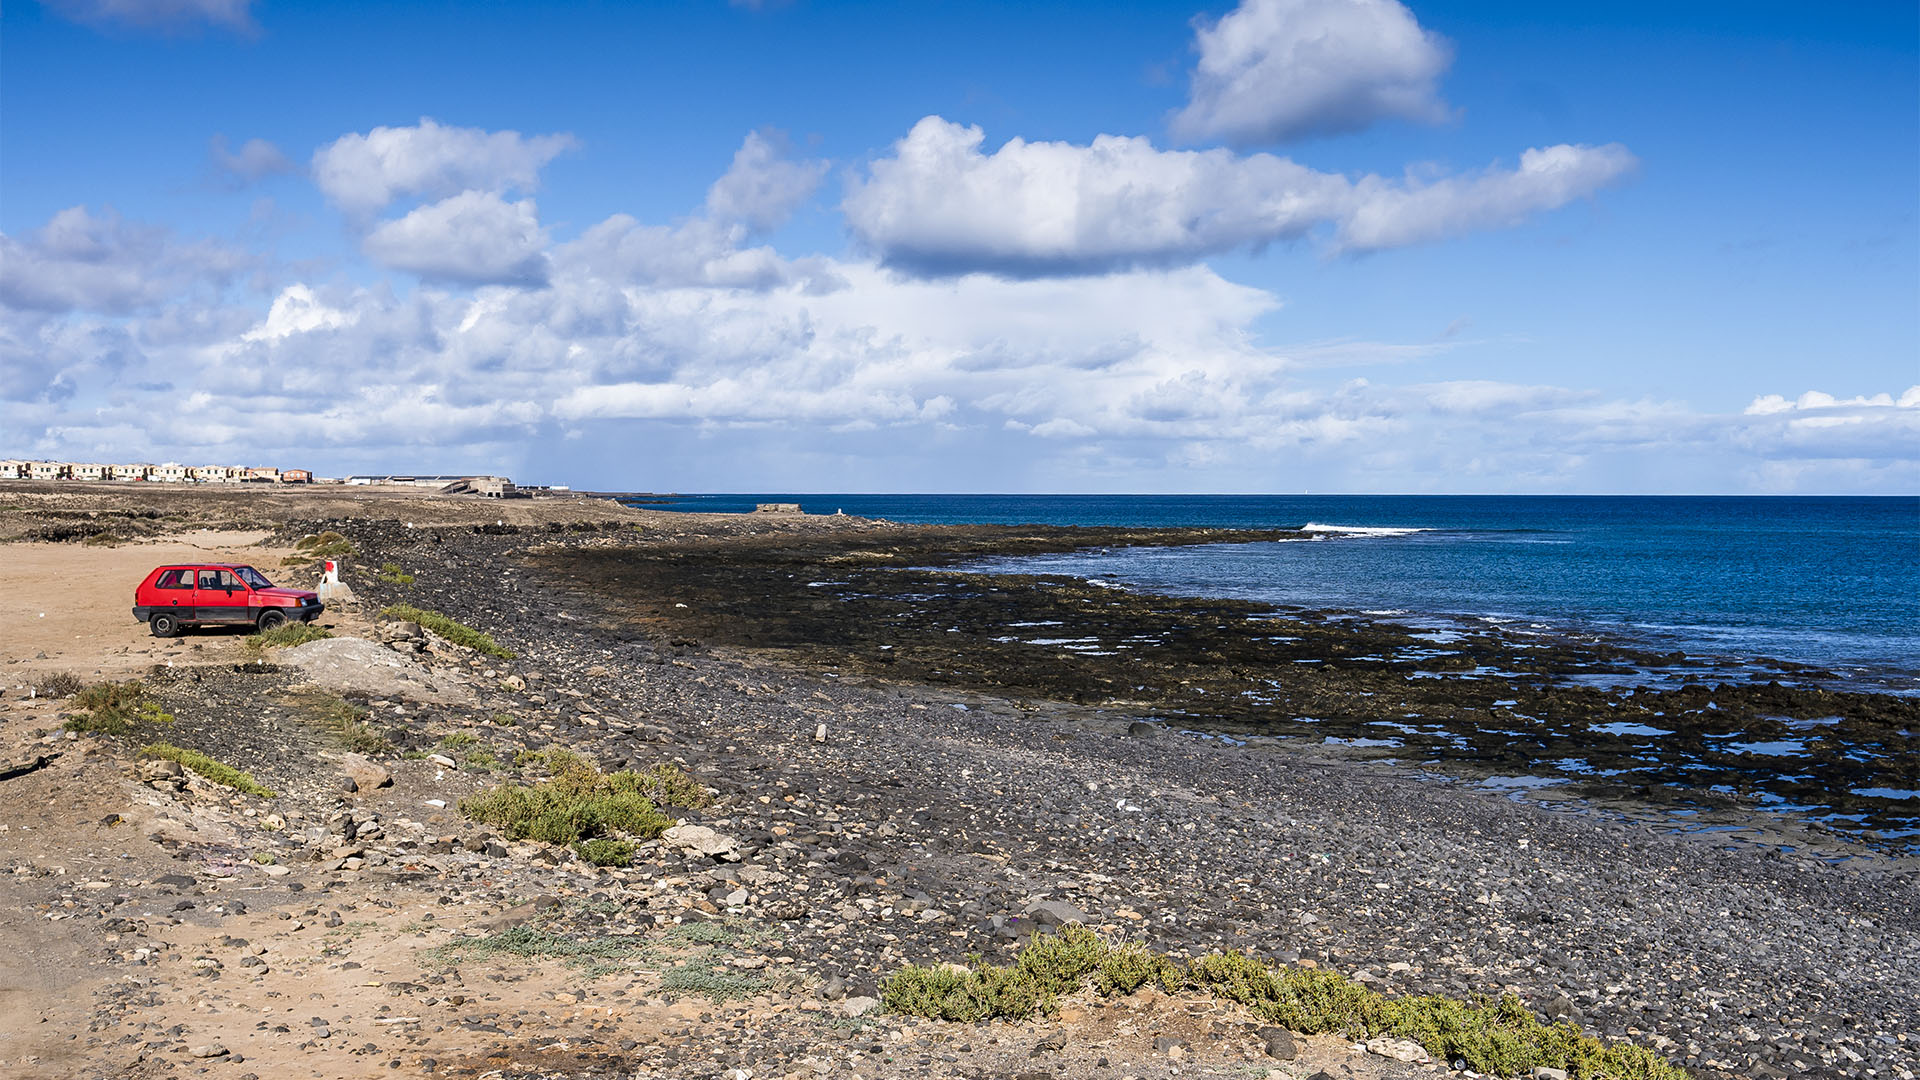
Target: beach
(890, 784)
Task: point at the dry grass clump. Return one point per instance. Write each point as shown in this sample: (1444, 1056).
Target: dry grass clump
(116, 708)
(346, 722)
(58, 684)
(1497, 1036)
(286, 635)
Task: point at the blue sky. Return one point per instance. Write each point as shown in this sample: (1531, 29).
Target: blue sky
(1327, 245)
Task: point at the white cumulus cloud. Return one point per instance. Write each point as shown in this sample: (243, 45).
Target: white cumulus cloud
(1385, 214)
(362, 174)
(473, 238)
(940, 205)
(1272, 71)
(100, 262)
(764, 186)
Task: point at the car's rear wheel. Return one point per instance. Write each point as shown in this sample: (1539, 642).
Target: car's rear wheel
(271, 619)
(163, 625)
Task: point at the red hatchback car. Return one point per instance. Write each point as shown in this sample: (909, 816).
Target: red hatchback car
(200, 594)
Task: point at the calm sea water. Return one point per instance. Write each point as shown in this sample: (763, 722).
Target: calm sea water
(1827, 581)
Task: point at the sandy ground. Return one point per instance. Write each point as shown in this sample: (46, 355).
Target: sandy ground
(78, 995)
(74, 603)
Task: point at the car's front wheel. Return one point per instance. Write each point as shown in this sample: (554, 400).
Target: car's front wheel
(163, 625)
(270, 619)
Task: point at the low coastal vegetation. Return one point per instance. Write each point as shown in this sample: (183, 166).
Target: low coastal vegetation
(598, 813)
(457, 632)
(318, 548)
(116, 709)
(58, 684)
(345, 721)
(286, 635)
(393, 574)
(1497, 1036)
(218, 772)
(695, 955)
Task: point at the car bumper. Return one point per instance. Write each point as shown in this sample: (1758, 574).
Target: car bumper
(140, 614)
(306, 612)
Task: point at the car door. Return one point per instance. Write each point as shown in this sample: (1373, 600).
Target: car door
(173, 592)
(220, 597)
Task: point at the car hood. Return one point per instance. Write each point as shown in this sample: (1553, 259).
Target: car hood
(286, 596)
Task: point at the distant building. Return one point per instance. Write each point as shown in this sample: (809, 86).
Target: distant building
(171, 473)
(14, 469)
(47, 470)
(494, 487)
(88, 471)
(413, 479)
(295, 476)
(132, 472)
(261, 474)
(776, 508)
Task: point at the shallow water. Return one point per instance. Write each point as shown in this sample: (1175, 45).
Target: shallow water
(1831, 582)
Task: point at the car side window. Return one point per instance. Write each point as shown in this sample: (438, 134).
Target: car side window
(175, 579)
(218, 579)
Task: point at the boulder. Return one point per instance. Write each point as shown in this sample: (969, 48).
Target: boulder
(1055, 913)
(348, 664)
(700, 840)
(366, 775)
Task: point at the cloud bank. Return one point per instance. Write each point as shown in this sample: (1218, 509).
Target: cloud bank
(938, 204)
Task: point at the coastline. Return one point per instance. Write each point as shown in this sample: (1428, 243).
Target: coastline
(922, 831)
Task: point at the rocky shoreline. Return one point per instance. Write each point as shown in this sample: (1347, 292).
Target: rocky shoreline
(868, 817)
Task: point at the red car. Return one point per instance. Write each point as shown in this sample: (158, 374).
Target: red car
(201, 594)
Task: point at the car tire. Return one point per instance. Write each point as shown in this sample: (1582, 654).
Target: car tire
(163, 625)
(272, 619)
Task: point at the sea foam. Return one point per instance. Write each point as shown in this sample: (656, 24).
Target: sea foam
(1357, 530)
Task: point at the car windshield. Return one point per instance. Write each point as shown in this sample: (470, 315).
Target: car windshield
(252, 577)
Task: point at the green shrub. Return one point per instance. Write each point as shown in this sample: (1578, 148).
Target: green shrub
(577, 803)
(1126, 968)
(1058, 962)
(665, 783)
(392, 574)
(456, 632)
(205, 766)
(604, 852)
(313, 549)
(1500, 1037)
(285, 635)
(116, 708)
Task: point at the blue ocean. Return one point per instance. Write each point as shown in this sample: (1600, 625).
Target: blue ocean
(1827, 581)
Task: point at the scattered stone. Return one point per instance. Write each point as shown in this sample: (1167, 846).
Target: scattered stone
(701, 840)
